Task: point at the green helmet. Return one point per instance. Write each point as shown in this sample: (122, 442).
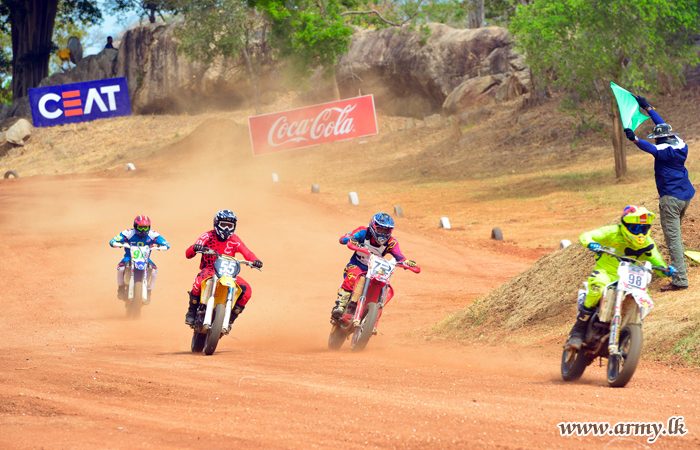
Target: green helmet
(636, 225)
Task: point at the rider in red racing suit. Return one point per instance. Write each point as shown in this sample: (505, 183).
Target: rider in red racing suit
(222, 240)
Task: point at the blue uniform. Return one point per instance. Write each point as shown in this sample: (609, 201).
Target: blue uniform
(132, 237)
(669, 165)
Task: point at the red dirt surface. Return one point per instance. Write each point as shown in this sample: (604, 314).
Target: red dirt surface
(76, 374)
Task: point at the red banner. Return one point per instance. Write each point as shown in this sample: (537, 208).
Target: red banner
(313, 125)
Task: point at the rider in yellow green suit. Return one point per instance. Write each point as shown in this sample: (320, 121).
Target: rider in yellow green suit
(630, 238)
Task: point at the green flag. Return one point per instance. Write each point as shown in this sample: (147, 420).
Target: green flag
(629, 108)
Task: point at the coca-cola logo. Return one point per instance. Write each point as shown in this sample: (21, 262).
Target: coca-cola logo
(313, 125)
(322, 125)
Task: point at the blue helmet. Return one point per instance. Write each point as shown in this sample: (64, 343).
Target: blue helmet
(380, 227)
(224, 224)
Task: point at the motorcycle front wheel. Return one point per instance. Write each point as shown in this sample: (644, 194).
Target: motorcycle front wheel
(198, 340)
(361, 335)
(336, 338)
(573, 364)
(621, 367)
(214, 332)
(134, 309)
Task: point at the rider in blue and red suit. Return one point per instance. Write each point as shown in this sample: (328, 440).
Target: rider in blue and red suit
(140, 234)
(378, 240)
(223, 241)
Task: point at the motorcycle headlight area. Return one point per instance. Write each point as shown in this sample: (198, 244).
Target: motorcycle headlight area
(225, 267)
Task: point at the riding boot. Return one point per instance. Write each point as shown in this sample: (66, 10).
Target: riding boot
(192, 309)
(340, 303)
(121, 292)
(148, 297)
(237, 310)
(579, 329)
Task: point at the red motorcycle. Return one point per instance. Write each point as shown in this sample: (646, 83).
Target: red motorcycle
(372, 291)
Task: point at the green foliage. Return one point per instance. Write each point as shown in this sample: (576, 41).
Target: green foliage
(308, 34)
(151, 9)
(584, 44)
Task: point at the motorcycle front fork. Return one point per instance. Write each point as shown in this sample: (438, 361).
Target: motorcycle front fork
(144, 284)
(210, 306)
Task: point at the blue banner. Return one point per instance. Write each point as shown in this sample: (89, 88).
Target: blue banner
(79, 102)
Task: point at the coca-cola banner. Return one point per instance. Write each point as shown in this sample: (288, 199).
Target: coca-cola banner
(304, 127)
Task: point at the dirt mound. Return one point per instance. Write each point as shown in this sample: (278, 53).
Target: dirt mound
(538, 305)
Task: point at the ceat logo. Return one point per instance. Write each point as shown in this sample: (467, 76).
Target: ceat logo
(643, 219)
(50, 104)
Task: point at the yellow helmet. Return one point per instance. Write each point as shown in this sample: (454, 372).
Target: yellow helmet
(636, 225)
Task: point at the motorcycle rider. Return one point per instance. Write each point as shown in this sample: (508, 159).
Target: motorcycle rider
(630, 238)
(140, 235)
(222, 240)
(378, 240)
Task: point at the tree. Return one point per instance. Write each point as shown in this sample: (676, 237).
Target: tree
(582, 45)
(308, 33)
(31, 25)
(145, 8)
(476, 13)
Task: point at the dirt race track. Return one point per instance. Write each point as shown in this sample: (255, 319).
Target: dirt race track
(75, 374)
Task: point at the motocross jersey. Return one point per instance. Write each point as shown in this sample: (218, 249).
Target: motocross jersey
(229, 247)
(611, 236)
(362, 236)
(132, 238)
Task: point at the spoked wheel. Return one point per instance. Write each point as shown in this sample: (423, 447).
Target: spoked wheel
(214, 333)
(573, 364)
(621, 367)
(198, 340)
(361, 335)
(133, 309)
(337, 337)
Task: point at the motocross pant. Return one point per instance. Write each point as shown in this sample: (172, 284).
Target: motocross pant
(351, 274)
(208, 272)
(152, 274)
(596, 284)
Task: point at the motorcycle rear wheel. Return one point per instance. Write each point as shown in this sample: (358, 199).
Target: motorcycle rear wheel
(572, 370)
(134, 309)
(198, 340)
(361, 335)
(214, 332)
(336, 338)
(621, 368)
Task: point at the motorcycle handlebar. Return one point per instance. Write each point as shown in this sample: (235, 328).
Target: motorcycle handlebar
(612, 252)
(356, 248)
(209, 251)
(360, 249)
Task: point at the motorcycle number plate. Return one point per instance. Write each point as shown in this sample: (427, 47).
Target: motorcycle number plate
(636, 277)
(380, 268)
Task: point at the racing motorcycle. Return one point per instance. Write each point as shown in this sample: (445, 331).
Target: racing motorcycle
(371, 293)
(219, 294)
(617, 321)
(136, 276)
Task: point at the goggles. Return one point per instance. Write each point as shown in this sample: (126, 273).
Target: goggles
(383, 231)
(143, 229)
(637, 228)
(227, 225)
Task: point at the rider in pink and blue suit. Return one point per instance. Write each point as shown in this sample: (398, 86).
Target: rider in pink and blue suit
(378, 240)
(140, 234)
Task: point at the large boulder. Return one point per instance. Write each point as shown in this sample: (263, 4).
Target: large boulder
(90, 68)
(19, 132)
(412, 76)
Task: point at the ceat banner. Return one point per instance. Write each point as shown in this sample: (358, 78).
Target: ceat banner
(313, 125)
(79, 102)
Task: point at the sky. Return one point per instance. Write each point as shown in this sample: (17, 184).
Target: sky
(111, 26)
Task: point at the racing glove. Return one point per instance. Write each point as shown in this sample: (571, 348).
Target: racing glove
(594, 247)
(630, 135)
(354, 242)
(410, 263)
(198, 247)
(643, 103)
(671, 271)
(257, 263)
